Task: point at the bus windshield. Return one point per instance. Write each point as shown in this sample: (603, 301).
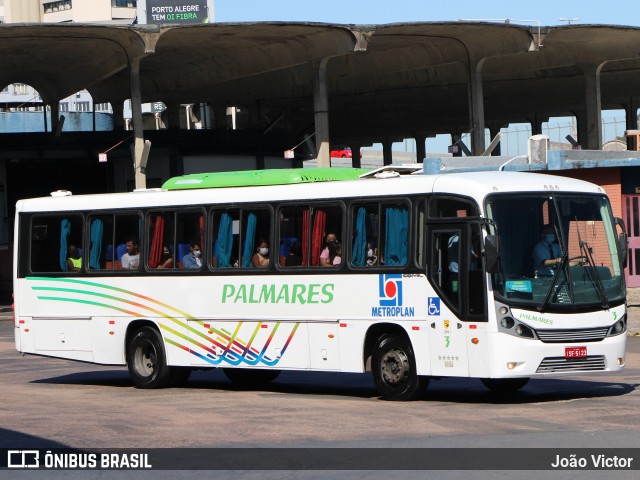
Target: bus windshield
(558, 252)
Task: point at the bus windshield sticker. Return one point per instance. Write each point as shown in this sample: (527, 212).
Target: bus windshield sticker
(523, 286)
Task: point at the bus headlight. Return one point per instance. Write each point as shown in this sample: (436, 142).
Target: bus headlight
(618, 328)
(524, 331)
(507, 322)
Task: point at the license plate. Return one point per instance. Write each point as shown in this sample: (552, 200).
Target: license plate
(575, 352)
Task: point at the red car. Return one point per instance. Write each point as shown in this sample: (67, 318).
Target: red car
(344, 153)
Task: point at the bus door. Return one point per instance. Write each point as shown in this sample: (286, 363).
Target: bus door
(456, 312)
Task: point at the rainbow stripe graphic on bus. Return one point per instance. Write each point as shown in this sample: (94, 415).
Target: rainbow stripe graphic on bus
(390, 292)
(212, 345)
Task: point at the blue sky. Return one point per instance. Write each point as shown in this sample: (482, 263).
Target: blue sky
(548, 12)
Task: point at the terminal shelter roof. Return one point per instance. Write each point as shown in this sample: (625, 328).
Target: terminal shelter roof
(396, 80)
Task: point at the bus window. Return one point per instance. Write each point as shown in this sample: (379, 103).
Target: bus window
(444, 265)
(51, 236)
(161, 236)
(420, 236)
(236, 236)
(304, 230)
(190, 240)
(109, 235)
(380, 234)
(441, 208)
(256, 233)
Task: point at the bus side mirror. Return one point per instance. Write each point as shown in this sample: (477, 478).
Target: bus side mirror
(492, 254)
(623, 245)
(623, 242)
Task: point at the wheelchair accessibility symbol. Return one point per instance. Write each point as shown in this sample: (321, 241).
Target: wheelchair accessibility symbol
(434, 306)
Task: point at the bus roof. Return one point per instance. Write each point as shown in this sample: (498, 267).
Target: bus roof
(472, 184)
(253, 178)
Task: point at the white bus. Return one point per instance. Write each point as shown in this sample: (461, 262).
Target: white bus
(429, 276)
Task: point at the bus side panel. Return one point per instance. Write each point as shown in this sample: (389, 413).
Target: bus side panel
(324, 346)
(108, 335)
(251, 344)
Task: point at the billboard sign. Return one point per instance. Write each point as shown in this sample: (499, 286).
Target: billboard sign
(177, 11)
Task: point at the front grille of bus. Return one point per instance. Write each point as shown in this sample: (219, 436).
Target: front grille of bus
(561, 364)
(573, 336)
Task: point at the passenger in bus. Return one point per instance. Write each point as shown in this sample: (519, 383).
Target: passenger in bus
(74, 259)
(260, 259)
(131, 259)
(337, 254)
(294, 257)
(328, 254)
(372, 255)
(192, 259)
(166, 260)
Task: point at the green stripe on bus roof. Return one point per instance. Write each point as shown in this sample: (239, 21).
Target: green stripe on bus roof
(248, 178)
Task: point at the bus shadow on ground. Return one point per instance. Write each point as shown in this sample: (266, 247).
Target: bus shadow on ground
(13, 439)
(468, 390)
(359, 386)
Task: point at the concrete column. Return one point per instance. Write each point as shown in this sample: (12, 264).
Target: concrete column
(4, 205)
(493, 131)
(118, 116)
(593, 107)
(321, 114)
(173, 116)
(355, 155)
(582, 127)
(387, 155)
(139, 163)
(55, 114)
(536, 124)
(421, 149)
(631, 119)
(476, 106)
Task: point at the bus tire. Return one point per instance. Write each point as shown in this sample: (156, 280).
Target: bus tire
(146, 359)
(248, 377)
(504, 385)
(394, 369)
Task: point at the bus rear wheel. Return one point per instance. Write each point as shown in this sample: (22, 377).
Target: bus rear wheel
(504, 385)
(146, 359)
(394, 369)
(247, 377)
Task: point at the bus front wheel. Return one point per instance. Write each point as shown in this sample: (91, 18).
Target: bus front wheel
(504, 385)
(394, 369)
(146, 359)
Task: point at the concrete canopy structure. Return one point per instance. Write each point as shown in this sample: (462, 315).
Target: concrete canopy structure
(377, 82)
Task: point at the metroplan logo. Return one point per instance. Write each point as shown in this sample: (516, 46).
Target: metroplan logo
(390, 293)
(391, 290)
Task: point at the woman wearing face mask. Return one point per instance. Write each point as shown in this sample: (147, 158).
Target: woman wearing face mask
(260, 259)
(166, 260)
(328, 254)
(192, 259)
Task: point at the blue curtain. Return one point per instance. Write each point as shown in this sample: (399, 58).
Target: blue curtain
(249, 240)
(224, 242)
(360, 242)
(97, 228)
(65, 231)
(396, 236)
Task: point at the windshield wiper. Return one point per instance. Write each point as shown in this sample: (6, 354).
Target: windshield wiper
(563, 264)
(592, 273)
